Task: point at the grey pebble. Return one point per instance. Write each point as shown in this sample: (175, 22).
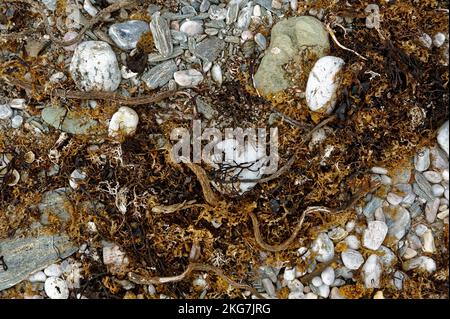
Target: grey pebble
(232, 13)
(16, 121)
(127, 34)
(161, 34)
(160, 74)
(371, 206)
(398, 221)
(261, 41)
(431, 209)
(210, 48)
(5, 111)
(433, 177)
(155, 57)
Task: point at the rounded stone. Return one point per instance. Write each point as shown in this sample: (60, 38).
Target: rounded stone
(433, 177)
(191, 28)
(352, 259)
(54, 270)
(442, 137)
(126, 35)
(437, 190)
(5, 111)
(328, 276)
(188, 78)
(123, 123)
(56, 288)
(323, 247)
(94, 67)
(374, 235)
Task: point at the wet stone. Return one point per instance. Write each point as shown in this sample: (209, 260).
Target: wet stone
(209, 49)
(67, 121)
(371, 206)
(161, 34)
(127, 34)
(398, 221)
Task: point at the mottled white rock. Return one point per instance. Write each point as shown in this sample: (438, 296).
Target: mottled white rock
(311, 295)
(439, 39)
(328, 276)
(371, 272)
(323, 84)
(289, 274)
(428, 242)
(422, 160)
(442, 137)
(191, 28)
(56, 288)
(123, 123)
(323, 247)
(374, 235)
(38, 276)
(94, 67)
(54, 270)
(350, 225)
(16, 121)
(352, 242)
(188, 78)
(352, 259)
(422, 263)
(426, 40)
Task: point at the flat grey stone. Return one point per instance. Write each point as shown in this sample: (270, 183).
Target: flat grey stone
(161, 34)
(209, 49)
(398, 221)
(24, 256)
(62, 119)
(371, 206)
(160, 74)
(55, 203)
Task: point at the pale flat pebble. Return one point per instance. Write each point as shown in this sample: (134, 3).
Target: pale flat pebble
(374, 235)
(442, 137)
(56, 288)
(54, 270)
(328, 276)
(433, 177)
(188, 78)
(352, 259)
(379, 170)
(394, 199)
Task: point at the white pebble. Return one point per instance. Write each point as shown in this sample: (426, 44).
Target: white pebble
(191, 28)
(324, 291)
(289, 274)
(350, 225)
(16, 121)
(54, 270)
(386, 180)
(437, 190)
(56, 288)
(323, 84)
(422, 160)
(75, 177)
(439, 39)
(37, 277)
(421, 229)
(428, 242)
(379, 170)
(372, 272)
(90, 8)
(317, 281)
(188, 78)
(394, 199)
(445, 174)
(352, 259)
(18, 104)
(296, 295)
(94, 67)
(352, 242)
(123, 123)
(374, 235)
(433, 177)
(311, 295)
(216, 73)
(409, 253)
(328, 276)
(5, 111)
(295, 285)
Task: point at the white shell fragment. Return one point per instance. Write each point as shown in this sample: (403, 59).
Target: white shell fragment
(323, 83)
(94, 67)
(124, 122)
(56, 288)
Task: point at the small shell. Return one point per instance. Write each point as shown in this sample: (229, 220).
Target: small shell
(29, 157)
(13, 178)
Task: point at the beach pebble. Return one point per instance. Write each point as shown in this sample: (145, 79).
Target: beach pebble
(94, 67)
(123, 123)
(161, 34)
(127, 34)
(324, 291)
(269, 287)
(289, 274)
(442, 137)
(16, 121)
(113, 255)
(328, 276)
(261, 41)
(439, 39)
(374, 235)
(317, 281)
(216, 73)
(431, 209)
(54, 270)
(433, 177)
(437, 190)
(352, 259)
(352, 242)
(445, 174)
(428, 242)
(5, 111)
(371, 272)
(188, 78)
(409, 253)
(422, 263)
(56, 288)
(379, 170)
(398, 221)
(191, 28)
(422, 160)
(160, 74)
(394, 199)
(323, 83)
(75, 177)
(323, 247)
(426, 40)
(37, 277)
